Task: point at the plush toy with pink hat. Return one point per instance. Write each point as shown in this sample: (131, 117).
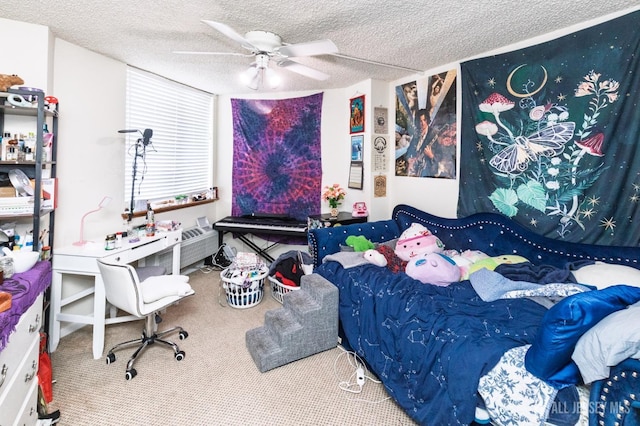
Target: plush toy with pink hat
(417, 240)
(414, 241)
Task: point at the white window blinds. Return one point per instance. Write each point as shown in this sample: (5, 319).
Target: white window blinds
(179, 159)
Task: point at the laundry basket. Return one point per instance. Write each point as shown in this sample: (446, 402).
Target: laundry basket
(278, 290)
(244, 289)
(286, 272)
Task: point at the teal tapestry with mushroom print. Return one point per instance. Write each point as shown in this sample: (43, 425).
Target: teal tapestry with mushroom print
(550, 135)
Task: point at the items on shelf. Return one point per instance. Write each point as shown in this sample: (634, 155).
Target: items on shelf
(8, 80)
(151, 221)
(26, 148)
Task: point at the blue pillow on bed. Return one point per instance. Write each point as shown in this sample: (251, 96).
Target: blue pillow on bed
(549, 357)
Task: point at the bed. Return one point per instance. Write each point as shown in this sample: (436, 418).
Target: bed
(443, 352)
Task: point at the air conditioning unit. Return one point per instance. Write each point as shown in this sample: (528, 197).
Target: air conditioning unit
(197, 244)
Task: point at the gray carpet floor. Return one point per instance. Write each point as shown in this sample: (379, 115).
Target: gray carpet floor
(217, 383)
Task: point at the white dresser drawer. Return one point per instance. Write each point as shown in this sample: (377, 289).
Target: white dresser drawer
(12, 400)
(28, 415)
(27, 330)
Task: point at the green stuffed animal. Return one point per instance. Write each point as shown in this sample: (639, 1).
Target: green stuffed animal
(492, 263)
(359, 243)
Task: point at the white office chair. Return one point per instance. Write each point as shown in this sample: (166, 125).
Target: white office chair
(145, 299)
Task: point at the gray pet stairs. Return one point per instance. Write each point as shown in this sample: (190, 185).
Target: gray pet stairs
(306, 324)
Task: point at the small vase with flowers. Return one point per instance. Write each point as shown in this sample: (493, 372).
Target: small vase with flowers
(333, 194)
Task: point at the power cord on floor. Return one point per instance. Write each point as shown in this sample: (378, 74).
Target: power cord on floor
(206, 269)
(221, 259)
(357, 379)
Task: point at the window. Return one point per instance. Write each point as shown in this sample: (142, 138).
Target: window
(179, 158)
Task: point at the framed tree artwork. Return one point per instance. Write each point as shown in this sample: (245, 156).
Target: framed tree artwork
(356, 120)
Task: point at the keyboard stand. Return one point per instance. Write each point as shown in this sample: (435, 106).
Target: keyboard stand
(243, 232)
(253, 246)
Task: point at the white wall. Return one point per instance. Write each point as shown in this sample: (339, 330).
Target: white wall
(29, 57)
(334, 144)
(433, 195)
(91, 90)
(90, 152)
(332, 131)
(90, 149)
(440, 196)
(26, 51)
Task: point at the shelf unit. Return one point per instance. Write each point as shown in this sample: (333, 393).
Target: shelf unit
(18, 398)
(33, 169)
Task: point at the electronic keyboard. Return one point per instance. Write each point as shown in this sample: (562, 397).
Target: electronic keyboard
(262, 224)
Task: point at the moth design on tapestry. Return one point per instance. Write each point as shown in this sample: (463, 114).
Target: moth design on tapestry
(547, 142)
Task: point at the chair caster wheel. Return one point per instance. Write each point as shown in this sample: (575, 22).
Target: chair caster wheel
(131, 374)
(180, 356)
(183, 335)
(111, 357)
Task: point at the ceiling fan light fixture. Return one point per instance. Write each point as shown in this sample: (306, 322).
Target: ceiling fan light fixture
(272, 78)
(251, 78)
(268, 47)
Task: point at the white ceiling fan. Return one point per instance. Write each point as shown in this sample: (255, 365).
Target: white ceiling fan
(266, 46)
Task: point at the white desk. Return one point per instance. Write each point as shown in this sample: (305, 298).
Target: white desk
(81, 260)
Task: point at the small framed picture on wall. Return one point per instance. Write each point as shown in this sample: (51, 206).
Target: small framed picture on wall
(356, 175)
(380, 120)
(357, 144)
(356, 121)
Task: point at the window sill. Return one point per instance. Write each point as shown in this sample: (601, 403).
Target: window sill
(169, 208)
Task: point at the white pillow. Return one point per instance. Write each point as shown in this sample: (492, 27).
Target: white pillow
(609, 342)
(602, 275)
(155, 288)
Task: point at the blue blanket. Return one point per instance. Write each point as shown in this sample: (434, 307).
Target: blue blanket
(429, 345)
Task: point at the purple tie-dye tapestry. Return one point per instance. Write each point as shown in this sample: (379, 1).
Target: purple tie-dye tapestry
(277, 166)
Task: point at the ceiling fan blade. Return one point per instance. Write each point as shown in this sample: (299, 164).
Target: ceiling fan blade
(382, 64)
(191, 52)
(230, 32)
(303, 70)
(312, 48)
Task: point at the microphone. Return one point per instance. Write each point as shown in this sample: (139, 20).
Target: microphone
(146, 136)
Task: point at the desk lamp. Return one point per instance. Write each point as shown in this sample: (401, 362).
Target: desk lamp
(104, 203)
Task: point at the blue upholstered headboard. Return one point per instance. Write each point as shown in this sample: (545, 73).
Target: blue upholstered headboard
(324, 241)
(496, 235)
(491, 233)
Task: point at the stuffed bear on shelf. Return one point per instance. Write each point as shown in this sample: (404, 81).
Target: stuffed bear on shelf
(7, 81)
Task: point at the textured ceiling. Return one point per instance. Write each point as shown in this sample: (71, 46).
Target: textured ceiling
(420, 35)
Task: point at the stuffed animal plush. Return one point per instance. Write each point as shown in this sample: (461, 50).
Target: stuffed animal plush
(7, 81)
(359, 243)
(417, 240)
(391, 260)
(433, 268)
(492, 263)
(375, 257)
(465, 260)
(414, 241)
